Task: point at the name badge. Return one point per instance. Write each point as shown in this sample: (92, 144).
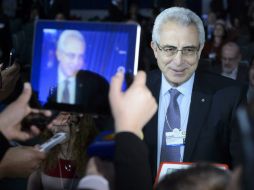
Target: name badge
(175, 138)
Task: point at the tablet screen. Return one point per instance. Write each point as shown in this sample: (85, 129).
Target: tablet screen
(66, 54)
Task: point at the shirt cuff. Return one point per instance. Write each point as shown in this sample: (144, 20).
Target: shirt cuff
(94, 182)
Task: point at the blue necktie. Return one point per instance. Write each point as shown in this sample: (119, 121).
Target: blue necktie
(172, 121)
(66, 93)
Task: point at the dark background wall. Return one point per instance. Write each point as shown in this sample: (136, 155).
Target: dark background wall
(195, 5)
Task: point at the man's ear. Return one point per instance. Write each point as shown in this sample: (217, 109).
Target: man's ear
(155, 49)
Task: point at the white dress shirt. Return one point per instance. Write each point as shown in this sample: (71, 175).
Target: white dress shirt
(232, 75)
(61, 85)
(184, 100)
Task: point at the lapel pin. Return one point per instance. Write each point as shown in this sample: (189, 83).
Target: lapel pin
(203, 100)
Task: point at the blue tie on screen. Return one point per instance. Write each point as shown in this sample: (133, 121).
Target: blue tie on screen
(66, 93)
(172, 121)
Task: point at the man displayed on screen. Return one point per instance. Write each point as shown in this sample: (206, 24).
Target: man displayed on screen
(73, 85)
(70, 56)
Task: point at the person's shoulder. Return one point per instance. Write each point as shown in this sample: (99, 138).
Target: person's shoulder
(214, 81)
(89, 75)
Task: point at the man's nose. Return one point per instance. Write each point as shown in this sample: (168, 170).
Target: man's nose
(76, 59)
(178, 58)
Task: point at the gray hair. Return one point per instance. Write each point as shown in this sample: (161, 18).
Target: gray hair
(69, 34)
(181, 15)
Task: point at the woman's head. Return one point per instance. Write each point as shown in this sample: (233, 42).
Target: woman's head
(82, 131)
(220, 29)
(65, 122)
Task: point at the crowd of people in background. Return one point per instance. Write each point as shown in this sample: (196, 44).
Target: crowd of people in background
(222, 25)
(228, 51)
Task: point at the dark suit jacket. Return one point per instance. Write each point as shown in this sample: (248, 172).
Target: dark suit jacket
(132, 171)
(91, 92)
(242, 73)
(211, 135)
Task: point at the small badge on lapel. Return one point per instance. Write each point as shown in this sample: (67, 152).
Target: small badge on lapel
(203, 100)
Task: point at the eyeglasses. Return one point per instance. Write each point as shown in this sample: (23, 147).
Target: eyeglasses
(172, 50)
(72, 56)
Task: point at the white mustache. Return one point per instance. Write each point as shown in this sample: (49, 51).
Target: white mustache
(180, 68)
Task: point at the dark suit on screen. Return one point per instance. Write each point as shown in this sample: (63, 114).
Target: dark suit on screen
(211, 134)
(91, 92)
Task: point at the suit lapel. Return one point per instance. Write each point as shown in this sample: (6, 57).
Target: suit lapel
(199, 109)
(78, 89)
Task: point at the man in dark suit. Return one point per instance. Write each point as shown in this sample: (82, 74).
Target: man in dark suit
(70, 56)
(71, 84)
(231, 66)
(91, 93)
(196, 111)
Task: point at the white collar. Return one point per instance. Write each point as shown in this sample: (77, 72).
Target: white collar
(232, 75)
(185, 88)
(62, 77)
